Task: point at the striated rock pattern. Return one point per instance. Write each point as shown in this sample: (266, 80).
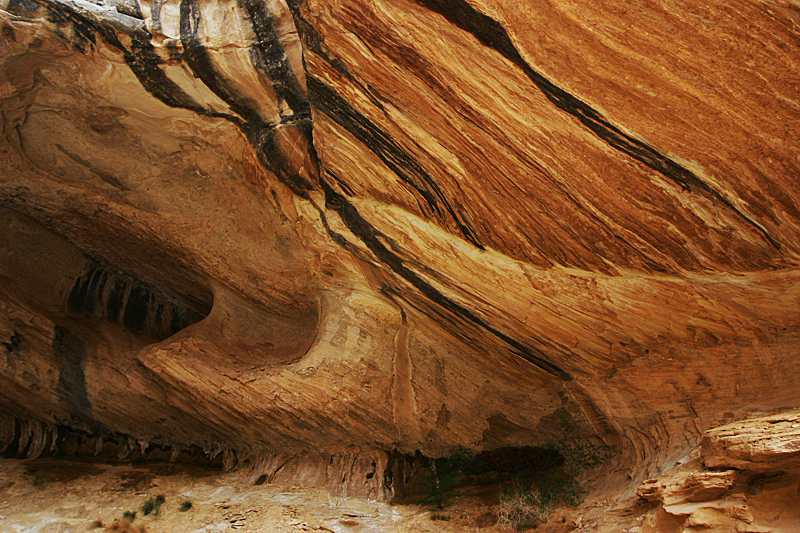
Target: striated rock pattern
(760, 444)
(317, 235)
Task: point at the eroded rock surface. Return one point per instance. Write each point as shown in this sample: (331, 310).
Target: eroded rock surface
(306, 234)
(746, 479)
(758, 444)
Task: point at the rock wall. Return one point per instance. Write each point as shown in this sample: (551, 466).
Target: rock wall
(308, 228)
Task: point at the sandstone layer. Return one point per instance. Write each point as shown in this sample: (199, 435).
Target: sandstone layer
(745, 479)
(313, 235)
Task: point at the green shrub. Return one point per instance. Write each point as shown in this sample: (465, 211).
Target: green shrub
(153, 505)
(534, 494)
(443, 474)
(543, 476)
(582, 455)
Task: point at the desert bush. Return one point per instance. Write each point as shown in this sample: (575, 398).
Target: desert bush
(442, 475)
(532, 497)
(523, 509)
(153, 505)
(582, 455)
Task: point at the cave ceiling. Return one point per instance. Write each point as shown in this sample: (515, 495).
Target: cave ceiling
(344, 227)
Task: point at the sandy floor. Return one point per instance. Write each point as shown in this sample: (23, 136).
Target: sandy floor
(65, 496)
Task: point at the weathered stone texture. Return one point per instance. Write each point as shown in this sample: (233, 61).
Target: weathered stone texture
(316, 228)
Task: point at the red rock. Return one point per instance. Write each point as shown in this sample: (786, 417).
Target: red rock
(305, 234)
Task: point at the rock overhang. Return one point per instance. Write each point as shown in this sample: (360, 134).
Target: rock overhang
(406, 250)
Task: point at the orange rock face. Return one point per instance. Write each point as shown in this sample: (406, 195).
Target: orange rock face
(745, 479)
(312, 229)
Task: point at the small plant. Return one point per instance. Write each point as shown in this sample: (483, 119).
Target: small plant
(582, 455)
(148, 506)
(153, 505)
(443, 474)
(185, 506)
(440, 516)
(38, 481)
(521, 509)
(130, 516)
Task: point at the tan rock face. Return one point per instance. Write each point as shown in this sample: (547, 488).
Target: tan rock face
(316, 229)
(759, 444)
(746, 479)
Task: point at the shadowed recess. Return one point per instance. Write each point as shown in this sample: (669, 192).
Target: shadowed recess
(136, 306)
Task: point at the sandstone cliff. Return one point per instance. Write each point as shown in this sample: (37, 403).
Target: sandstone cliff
(309, 234)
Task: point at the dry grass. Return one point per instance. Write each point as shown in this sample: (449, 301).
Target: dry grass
(521, 510)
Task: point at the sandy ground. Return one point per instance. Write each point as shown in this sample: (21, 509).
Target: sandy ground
(65, 496)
